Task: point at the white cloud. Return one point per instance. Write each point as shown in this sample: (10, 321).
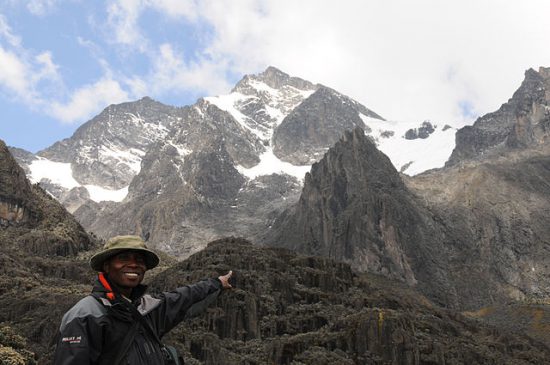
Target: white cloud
(34, 80)
(21, 72)
(170, 73)
(423, 59)
(176, 8)
(6, 33)
(394, 56)
(14, 74)
(40, 7)
(123, 24)
(88, 100)
(24, 77)
(48, 68)
(138, 86)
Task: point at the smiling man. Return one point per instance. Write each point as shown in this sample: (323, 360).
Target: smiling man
(118, 323)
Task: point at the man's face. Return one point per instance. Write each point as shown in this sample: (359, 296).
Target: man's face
(126, 269)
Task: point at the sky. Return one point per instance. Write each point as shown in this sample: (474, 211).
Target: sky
(63, 61)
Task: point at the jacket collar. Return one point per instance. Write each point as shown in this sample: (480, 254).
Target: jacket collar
(100, 291)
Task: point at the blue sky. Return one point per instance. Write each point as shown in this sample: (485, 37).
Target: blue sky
(63, 61)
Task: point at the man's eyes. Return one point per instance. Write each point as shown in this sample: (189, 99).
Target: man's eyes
(125, 258)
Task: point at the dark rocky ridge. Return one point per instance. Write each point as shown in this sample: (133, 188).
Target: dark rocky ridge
(23, 157)
(467, 237)
(35, 223)
(39, 266)
(16, 205)
(287, 308)
(355, 208)
(476, 232)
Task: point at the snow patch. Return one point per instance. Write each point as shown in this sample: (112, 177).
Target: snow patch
(99, 194)
(420, 154)
(277, 104)
(61, 174)
(131, 157)
(136, 119)
(262, 86)
(228, 102)
(275, 114)
(271, 164)
(57, 172)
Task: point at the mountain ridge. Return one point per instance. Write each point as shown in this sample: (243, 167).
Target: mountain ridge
(139, 150)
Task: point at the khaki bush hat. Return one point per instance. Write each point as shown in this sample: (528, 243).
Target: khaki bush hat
(119, 244)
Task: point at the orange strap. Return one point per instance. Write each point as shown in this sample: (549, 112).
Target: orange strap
(110, 295)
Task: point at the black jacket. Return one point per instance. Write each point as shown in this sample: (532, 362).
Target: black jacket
(92, 331)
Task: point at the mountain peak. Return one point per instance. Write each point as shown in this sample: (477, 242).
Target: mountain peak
(521, 123)
(274, 78)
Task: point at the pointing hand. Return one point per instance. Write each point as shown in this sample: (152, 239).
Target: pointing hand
(225, 280)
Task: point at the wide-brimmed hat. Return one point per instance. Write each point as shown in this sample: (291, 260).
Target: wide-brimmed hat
(119, 244)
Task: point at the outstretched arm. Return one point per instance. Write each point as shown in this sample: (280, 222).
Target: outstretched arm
(190, 298)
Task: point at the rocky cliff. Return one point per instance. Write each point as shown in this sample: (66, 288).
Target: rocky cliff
(356, 208)
(28, 215)
(523, 122)
(316, 124)
(16, 205)
(494, 196)
(495, 214)
(470, 235)
(40, 244)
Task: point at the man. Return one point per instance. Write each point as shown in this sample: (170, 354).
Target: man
(120, 324)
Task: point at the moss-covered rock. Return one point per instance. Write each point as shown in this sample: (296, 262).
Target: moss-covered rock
(13, 348)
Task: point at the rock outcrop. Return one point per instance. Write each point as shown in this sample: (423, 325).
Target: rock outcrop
(423, 131)
(466, 237)
(316, 124)
(292, 309)
(495, 217)
(522, 122)
(356, 208)
(40, 268)
(16, 205)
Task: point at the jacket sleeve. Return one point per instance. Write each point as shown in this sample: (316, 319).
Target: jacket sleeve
(175, 304)
(79, 341)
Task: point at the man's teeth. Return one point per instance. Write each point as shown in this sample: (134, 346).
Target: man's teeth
(131, 274)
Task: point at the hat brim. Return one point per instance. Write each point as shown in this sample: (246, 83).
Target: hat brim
(96, 262)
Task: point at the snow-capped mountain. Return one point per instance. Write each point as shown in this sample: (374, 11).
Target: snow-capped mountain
(471, 234)
(271, 112)
(222, 152)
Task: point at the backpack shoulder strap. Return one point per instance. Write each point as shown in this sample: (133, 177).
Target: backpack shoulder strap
(125, 346)
(140, 319)
(128, 339)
